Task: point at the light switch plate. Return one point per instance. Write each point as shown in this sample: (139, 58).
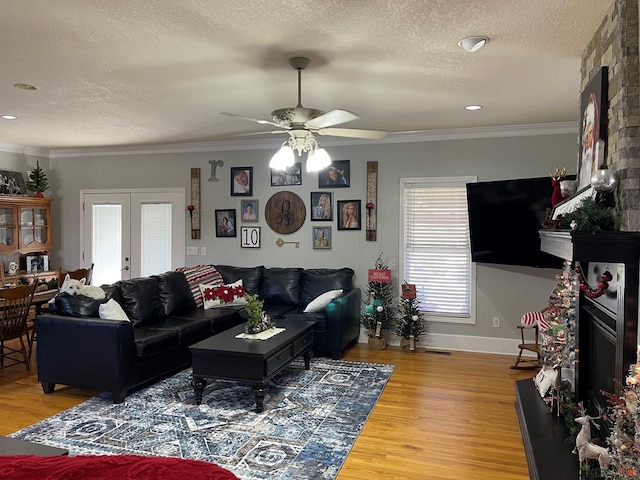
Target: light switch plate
(192, 250)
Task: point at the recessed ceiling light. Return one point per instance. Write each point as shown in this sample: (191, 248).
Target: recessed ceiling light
(473, 107)
(9, 117)
(473, 44)
(24, 86)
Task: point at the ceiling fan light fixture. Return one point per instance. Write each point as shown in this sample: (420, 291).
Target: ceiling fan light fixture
(317, 160)
(473, 44)
(283, 158)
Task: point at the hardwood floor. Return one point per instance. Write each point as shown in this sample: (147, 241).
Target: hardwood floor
(441, 416)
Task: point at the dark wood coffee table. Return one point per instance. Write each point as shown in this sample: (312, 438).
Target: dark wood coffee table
(252, 361)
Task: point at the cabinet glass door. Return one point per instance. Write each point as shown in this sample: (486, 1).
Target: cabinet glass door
(6, 226)
(33, 226)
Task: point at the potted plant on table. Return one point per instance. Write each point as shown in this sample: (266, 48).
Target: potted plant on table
(258, 321)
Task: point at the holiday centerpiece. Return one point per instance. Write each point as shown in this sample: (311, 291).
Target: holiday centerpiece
(37, 181)
(378, 312)
(411, 320)
(257, 321)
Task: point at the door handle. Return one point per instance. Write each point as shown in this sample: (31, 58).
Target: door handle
(125, 268)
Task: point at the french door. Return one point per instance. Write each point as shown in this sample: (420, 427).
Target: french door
(134, 233)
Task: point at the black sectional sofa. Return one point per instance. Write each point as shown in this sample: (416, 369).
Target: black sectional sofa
(77, 348)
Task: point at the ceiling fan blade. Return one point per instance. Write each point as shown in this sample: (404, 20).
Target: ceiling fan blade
(329, 119)
(262, 133)
(261, 122)
(352, 133)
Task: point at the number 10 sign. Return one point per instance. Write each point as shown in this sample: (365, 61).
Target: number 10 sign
(250, 237)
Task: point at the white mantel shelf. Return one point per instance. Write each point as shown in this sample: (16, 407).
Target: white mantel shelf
(557, 242)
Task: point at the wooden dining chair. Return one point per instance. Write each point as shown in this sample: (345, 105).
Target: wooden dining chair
(15, 304)
(77, 274)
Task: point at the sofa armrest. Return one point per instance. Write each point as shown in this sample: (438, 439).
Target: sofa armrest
(85, 352)
(343, 320)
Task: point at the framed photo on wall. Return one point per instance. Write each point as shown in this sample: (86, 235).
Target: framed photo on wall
(249, 210)
(321, 237)
(321, 206)
(250, 237)
(336, 175)
(348, 212)
(291, 176)
(241, 181)
(226, 223)
(593, 127)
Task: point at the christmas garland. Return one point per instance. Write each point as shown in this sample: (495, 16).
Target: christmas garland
(603, 284)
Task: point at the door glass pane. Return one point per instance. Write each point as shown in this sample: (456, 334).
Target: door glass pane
(155, 241)
(107, 244)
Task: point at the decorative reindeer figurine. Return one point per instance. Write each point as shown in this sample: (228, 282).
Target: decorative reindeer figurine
(556, 178)
(587, 450)
(560, 389)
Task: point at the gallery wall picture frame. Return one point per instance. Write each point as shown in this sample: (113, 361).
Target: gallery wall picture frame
(250, 237)
(249, 210)
(594, 105)
(321, 206)
(336, 175)
(226, 223)
(290, 176)
(349, 214)
(321, 237)
(241, 181)
(12, 183)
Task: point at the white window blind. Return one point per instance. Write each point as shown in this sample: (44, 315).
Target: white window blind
(107, 243)
(435, 242)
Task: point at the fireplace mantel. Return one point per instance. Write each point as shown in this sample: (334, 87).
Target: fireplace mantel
(557, 242)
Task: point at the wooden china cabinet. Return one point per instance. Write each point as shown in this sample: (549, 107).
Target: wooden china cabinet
(25, 228)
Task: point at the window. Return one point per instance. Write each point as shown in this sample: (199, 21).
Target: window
(435, 251)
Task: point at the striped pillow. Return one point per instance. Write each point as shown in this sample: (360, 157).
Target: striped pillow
(200, 274)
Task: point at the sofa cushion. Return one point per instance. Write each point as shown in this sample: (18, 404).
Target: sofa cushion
(141, 300)
(251, 276)
(281, 285)
(189, 331)
(316, 281)
(225, 295)
(197, 275)
(319, 318)
(175, 293)
(278, 310)
(219, 319)
(77, 305)
(112, 291)
(153, 342)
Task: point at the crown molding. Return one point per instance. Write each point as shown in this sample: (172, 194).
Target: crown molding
(272, 143)
(33, 151)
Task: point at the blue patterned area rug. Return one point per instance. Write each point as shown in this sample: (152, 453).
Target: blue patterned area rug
(310, 422)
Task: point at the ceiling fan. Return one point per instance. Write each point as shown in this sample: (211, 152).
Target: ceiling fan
(301, 122)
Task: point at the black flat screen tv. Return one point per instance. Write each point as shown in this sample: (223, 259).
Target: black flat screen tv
(504, 219)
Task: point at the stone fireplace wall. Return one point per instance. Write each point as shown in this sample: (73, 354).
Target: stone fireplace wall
(615, 45)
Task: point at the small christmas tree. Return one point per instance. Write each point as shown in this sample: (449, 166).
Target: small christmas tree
(378, 313)
(37, 182)
(411, 321)
(624, 441)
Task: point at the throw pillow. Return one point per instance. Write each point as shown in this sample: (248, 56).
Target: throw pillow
(222, 295)
(200, 274)
(112, 311)
(319, 303)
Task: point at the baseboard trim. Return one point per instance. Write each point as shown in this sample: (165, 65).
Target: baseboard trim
(467, 343)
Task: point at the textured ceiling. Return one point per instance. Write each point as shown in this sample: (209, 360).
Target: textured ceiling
(134, 72)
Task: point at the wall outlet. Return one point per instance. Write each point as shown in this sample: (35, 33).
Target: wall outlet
(496, 322)
(203, 250)
(192, 250)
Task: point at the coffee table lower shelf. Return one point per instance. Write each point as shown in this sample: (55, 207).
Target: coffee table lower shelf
(250, 361)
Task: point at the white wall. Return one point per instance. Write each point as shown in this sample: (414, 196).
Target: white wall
(503, 291)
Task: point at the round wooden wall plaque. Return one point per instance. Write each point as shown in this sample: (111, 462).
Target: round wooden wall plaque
(285, 212)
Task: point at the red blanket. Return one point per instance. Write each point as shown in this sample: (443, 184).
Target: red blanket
(111, 467)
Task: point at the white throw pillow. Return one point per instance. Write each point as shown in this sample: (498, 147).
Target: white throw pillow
(112, 310)
(215, 296)
(319, 303)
